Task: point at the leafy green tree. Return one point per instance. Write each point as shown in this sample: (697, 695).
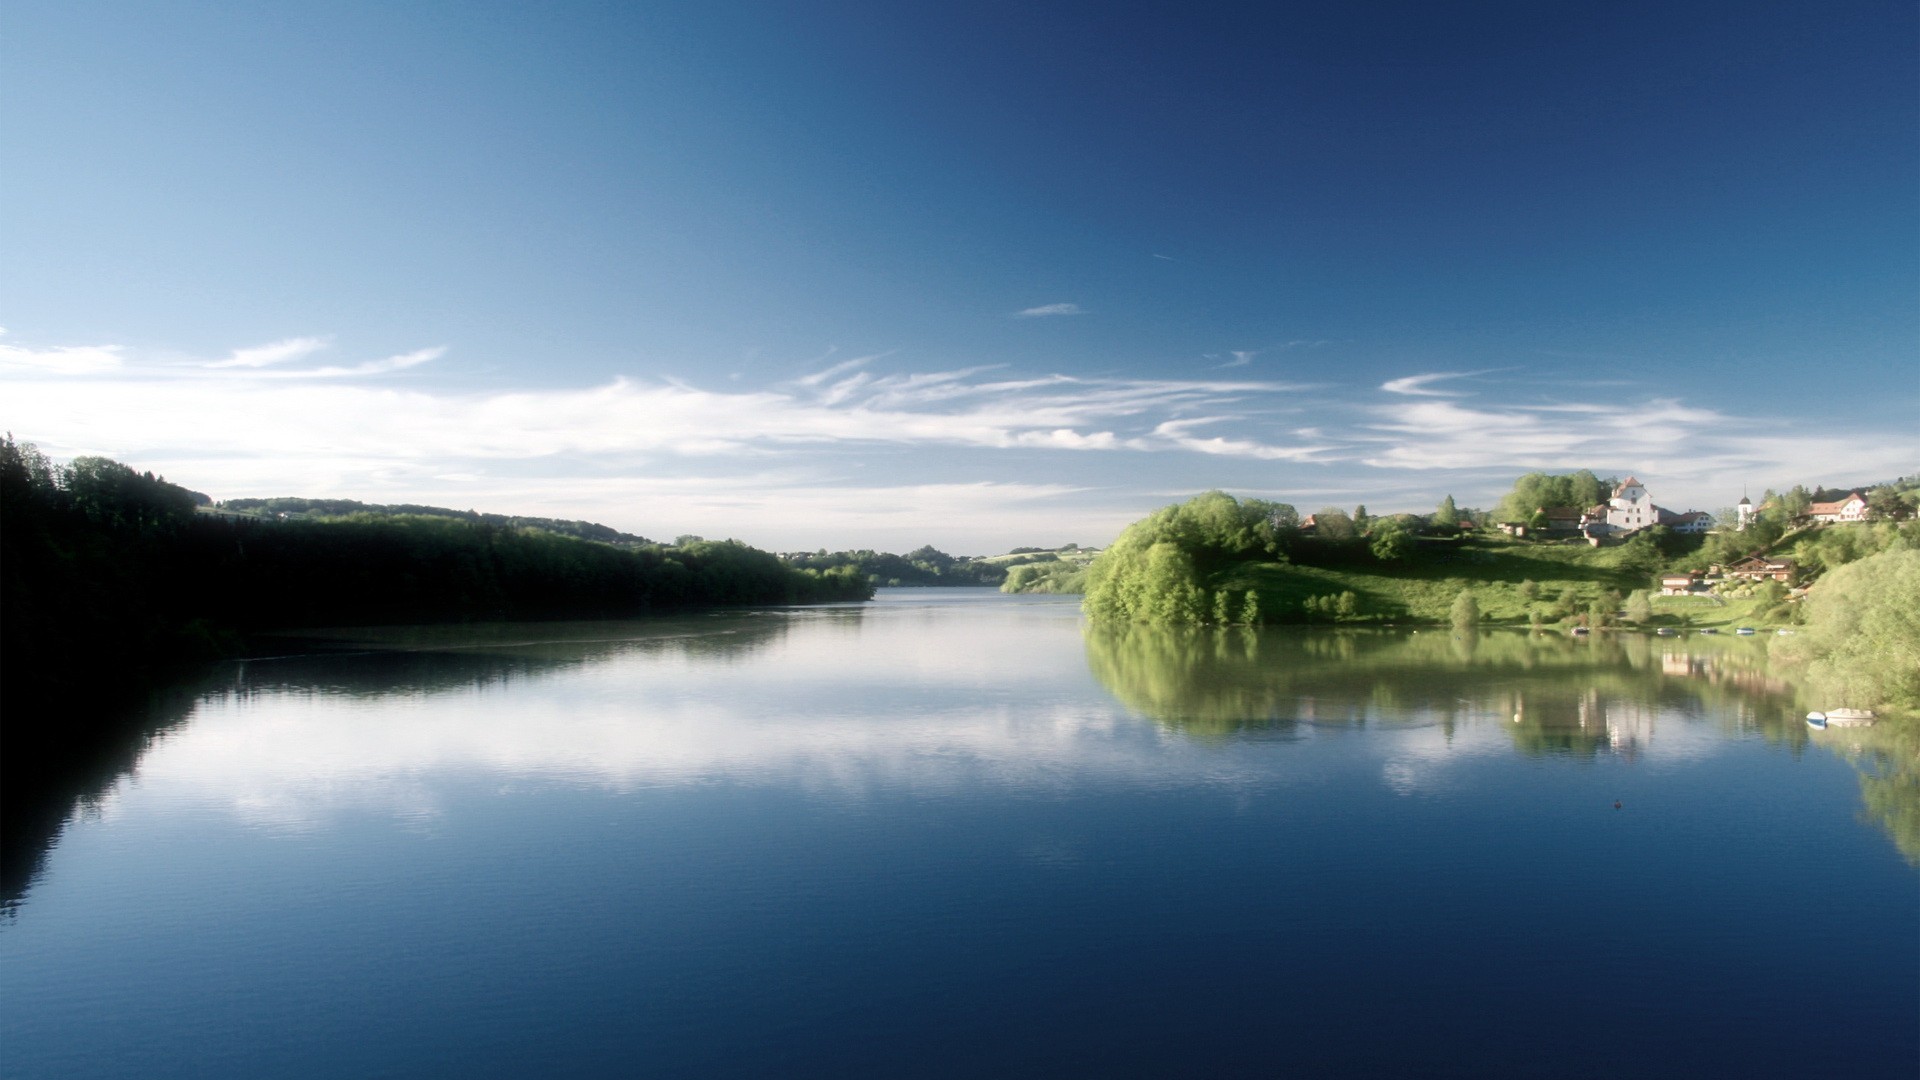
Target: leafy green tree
(1448, 515)
(1529, 590)
(1600, 614)
(1886, 504)
(1362, 521)
(1333, 523)
(1861, 642)
(1466, 611)
(1393, 542)
(1250, 610)
(1569, 602)
(1347, 606)
(1639, 607)
(1133, 580)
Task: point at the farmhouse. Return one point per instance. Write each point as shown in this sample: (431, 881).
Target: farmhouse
(1680, 584)
(1851, 508)
(1693, 521)
(1762, 568)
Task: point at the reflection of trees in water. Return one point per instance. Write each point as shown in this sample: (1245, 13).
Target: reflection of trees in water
(372, 663)
(381, 661)
(63, 779)
(1552, 694)
(1561, 690)
(1888, 757)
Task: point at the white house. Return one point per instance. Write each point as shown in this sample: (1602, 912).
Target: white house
(1851, 508)
(1631, 507)
(1693, 521)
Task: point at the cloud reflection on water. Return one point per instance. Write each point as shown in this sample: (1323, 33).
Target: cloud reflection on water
(933, 699)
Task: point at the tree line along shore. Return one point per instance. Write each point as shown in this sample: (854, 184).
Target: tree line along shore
(1852, 601)
(110, 573)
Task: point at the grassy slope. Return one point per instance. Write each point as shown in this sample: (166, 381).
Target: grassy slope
(1424, 587)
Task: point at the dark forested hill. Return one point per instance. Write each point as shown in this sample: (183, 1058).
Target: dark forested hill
(106, 571)
(293, 508)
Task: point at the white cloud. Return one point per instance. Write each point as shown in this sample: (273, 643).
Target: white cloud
(778, 464)
(1049, 309)
(61, 360)
(1417, 384)
(278, 352)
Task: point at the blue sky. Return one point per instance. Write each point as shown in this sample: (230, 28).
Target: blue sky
(980, 275)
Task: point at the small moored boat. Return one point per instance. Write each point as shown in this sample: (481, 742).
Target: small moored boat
(1849, 717)
(1817, 721)
(1666, 631)
(1579, 631)
(1745, 631)
(1708, 630)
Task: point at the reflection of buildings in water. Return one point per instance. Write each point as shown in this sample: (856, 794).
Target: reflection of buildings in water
(1630, 727)
(1682, 665)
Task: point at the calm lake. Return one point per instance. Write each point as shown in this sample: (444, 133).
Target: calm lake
(954, 833)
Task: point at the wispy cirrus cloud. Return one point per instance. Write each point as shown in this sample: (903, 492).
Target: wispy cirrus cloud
(61, 360)
(278, 352)
(1045, 310)
(1421, 385)
(269, 419)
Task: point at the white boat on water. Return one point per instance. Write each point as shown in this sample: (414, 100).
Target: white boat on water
(1840, 718)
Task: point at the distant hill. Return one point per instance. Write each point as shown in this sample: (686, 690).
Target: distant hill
(289, 508)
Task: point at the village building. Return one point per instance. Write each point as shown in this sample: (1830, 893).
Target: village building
(1680, 584)
(1631, 508)
(1743, 513)
(1851, 508)
(1693, 521)
(1762, 568)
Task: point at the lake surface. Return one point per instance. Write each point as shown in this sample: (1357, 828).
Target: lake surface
(952, 833)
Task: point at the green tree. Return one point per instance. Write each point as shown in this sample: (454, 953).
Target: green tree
(1333, 523)
(1448, 515)
(1250, 611)
(1155, 570)
(1886, 504)
(1393, 542)
(1362, 520)
(1347, 606)
(1600, 614)
(1529, 590)
(1569, 602)
(1639, 607)
(1466, 611)
(1861, 642)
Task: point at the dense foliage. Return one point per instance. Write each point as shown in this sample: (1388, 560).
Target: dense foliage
(1861, 641)
(1053, 576)
(1166, 567)
(1536, 491)
(281, 508)
(101, 561)
(923, 566)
